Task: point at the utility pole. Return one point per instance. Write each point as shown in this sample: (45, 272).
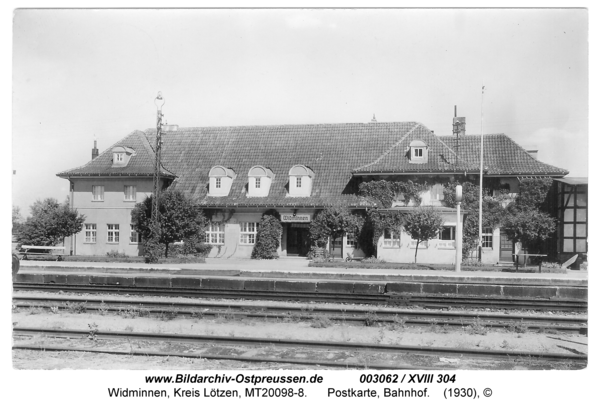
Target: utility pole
(156, 189)
(480, 183)
(458, 128)
(458, 234)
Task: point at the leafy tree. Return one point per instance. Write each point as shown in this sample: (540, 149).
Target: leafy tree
(533, 193)
(422, 224)
(268, 236)
(50, 222)
(333, 222)
(179, 219)
(528, 226)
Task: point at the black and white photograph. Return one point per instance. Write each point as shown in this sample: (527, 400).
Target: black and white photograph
(301, 204)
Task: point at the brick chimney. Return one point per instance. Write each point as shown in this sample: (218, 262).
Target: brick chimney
(94, 151)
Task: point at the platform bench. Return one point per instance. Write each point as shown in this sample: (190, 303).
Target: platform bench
(32, 251)
(541, 257)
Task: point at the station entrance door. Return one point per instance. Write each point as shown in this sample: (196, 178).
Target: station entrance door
(298, 239)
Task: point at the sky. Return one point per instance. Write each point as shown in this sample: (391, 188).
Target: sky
(85, 75)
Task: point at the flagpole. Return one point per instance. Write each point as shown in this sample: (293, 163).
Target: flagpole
(479, 244)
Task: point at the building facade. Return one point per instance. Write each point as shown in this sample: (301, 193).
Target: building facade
(237, 173)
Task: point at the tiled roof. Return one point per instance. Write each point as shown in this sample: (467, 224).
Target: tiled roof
(140, 164)
(330, 150)
(394, 160)
(501, 155)
(333, 151)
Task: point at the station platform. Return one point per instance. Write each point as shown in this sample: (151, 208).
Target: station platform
(294, 275)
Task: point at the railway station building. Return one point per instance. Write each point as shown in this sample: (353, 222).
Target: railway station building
(237, 173)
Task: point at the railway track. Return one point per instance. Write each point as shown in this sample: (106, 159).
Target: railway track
(425, 301)
(573, 324)
(267, 342)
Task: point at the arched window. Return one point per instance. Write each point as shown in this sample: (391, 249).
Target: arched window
(259, 181)
(220, 180)
(301, 179)
(121, 156)
(418, 152)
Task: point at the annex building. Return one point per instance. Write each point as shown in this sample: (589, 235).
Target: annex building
(237, 173)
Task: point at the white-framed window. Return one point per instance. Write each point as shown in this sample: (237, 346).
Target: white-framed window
(90, 233)
(134, 236)
(248, 233)
(391, 238)
(113, 233)
(215, 233)
(422, 244)
(120, 157)
(130, 193)
(418, 153)
(218, 183)
(298, 181)
(257, 183)
(487, 237)
(351, 241)
(447, 233)
(97, 193)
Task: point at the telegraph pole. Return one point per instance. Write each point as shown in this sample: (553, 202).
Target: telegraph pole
(480, 183)
(458, 234)
(156, 189)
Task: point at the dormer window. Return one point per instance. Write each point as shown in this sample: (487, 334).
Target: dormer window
(259, 181)
(121, 156)
(418, 152)
(220, 180)
(301, 178)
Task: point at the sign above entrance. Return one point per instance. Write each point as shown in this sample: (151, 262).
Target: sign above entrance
(295, 218)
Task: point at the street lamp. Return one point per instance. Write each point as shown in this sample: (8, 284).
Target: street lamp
(458, 233)
(159, 102)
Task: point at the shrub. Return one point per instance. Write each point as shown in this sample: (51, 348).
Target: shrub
(373, 260)
(477, 327)
(76, 307)
(471, 262)
(321, 322)
(153, 250)
(370, 319)
(268, 236)
(116, 254)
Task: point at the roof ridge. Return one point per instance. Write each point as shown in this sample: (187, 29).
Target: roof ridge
(152, 153)
(385, 153)
(458, 157)
(180, 128)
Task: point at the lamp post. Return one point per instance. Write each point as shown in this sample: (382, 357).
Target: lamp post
(458, 233)
(156, 187)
